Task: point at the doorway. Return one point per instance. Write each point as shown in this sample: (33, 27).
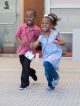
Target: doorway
(38, 5)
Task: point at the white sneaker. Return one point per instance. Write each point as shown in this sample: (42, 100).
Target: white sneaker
(23, 88)
(20, 88)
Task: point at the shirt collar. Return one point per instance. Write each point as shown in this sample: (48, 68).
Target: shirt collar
(33, 28)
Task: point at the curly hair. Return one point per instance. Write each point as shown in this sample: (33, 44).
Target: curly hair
(55, 18)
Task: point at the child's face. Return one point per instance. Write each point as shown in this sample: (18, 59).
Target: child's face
(45, 24)
(30, 18)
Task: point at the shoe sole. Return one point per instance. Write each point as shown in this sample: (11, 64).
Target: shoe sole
(51, 89)
(24, 88)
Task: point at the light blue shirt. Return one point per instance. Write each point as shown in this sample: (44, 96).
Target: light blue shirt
(49, 47)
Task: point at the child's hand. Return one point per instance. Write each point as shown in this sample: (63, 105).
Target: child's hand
(56, 41)
(59, 42)
(31, 45)
(24, 43)
(34, 44)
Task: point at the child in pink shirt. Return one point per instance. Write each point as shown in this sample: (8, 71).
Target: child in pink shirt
(25, 35)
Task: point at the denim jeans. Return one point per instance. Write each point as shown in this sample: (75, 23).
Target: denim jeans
(26, 70)
(50, 73)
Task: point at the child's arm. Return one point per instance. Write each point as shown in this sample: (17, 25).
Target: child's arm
(59, 40)
(19, 40)
(35, 44)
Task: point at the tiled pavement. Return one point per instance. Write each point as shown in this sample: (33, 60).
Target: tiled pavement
(67, 93)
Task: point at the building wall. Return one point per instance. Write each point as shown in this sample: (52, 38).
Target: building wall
(68, 11)
(60, 2)
(7, 31)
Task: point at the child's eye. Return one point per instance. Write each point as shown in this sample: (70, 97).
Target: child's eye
(30, 17)
(26, 17)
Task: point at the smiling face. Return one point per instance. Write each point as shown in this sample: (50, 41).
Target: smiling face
(30, 18)
(46, 24)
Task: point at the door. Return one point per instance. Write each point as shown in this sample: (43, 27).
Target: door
(38, 5)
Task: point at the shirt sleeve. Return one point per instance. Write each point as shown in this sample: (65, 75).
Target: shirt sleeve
(18, 31)
(57, 32)
(37, 33)
(40, 38)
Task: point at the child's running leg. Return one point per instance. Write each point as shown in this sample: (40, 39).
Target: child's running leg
(49, 74)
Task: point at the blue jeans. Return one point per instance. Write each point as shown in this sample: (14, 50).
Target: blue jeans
(50, 73)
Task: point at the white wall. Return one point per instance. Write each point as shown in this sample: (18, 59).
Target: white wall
(65, 2)
(7, 31)
(76, 44)
(67, 10)
(47, 6)
(69, 18)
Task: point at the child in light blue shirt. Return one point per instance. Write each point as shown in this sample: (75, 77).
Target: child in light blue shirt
(51, 42)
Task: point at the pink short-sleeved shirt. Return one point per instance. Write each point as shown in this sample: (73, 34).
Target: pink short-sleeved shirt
(27, 34)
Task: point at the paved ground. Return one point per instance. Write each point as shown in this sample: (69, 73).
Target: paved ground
(67, 92)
